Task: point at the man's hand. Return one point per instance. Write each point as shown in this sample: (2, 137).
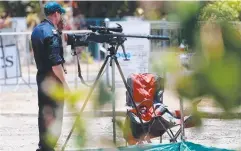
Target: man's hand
(58, 71)
(66, 87)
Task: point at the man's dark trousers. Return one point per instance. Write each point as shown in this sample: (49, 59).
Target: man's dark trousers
(50, 111)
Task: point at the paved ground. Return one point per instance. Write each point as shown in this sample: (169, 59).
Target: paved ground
(20, 133)
(18, 125)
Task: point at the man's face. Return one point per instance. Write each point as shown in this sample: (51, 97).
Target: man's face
(61, 24)
(58, 17)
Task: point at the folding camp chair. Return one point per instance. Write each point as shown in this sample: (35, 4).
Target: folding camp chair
(147, 91)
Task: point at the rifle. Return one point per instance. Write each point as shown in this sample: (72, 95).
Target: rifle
(100, 34)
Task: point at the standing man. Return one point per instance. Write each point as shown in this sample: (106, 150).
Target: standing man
(48, 55)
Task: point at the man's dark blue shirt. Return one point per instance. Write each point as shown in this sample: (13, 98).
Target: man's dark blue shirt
(47, 47)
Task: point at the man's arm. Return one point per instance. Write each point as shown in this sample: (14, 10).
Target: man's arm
(56, 60)
(58, 71)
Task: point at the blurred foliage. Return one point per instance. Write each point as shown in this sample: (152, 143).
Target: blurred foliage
(221, 10)
(102, 9)
(104, 95)
(217, 72)
(55, 90)
(20, 8)
(216, 64)
(80, 131)
(86, 57)
(151, 10)
(152, 15)
(29, 9)
(187, 14)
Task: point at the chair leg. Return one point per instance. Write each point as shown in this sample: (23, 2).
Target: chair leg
(166, 129)
(178, 133)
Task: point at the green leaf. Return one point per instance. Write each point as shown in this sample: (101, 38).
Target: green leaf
(80, 131)
(104, 95)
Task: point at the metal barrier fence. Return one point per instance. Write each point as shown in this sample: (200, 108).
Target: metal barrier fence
(18, 65)
(165, 28)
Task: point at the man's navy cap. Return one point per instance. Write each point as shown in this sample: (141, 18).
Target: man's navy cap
(52, 7)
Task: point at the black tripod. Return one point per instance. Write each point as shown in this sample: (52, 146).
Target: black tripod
(112, 56)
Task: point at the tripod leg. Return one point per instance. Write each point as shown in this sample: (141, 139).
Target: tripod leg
(113, 101)
(129, 93)
(85, 103)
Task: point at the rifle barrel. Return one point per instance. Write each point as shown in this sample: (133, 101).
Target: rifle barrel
(141, 36)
